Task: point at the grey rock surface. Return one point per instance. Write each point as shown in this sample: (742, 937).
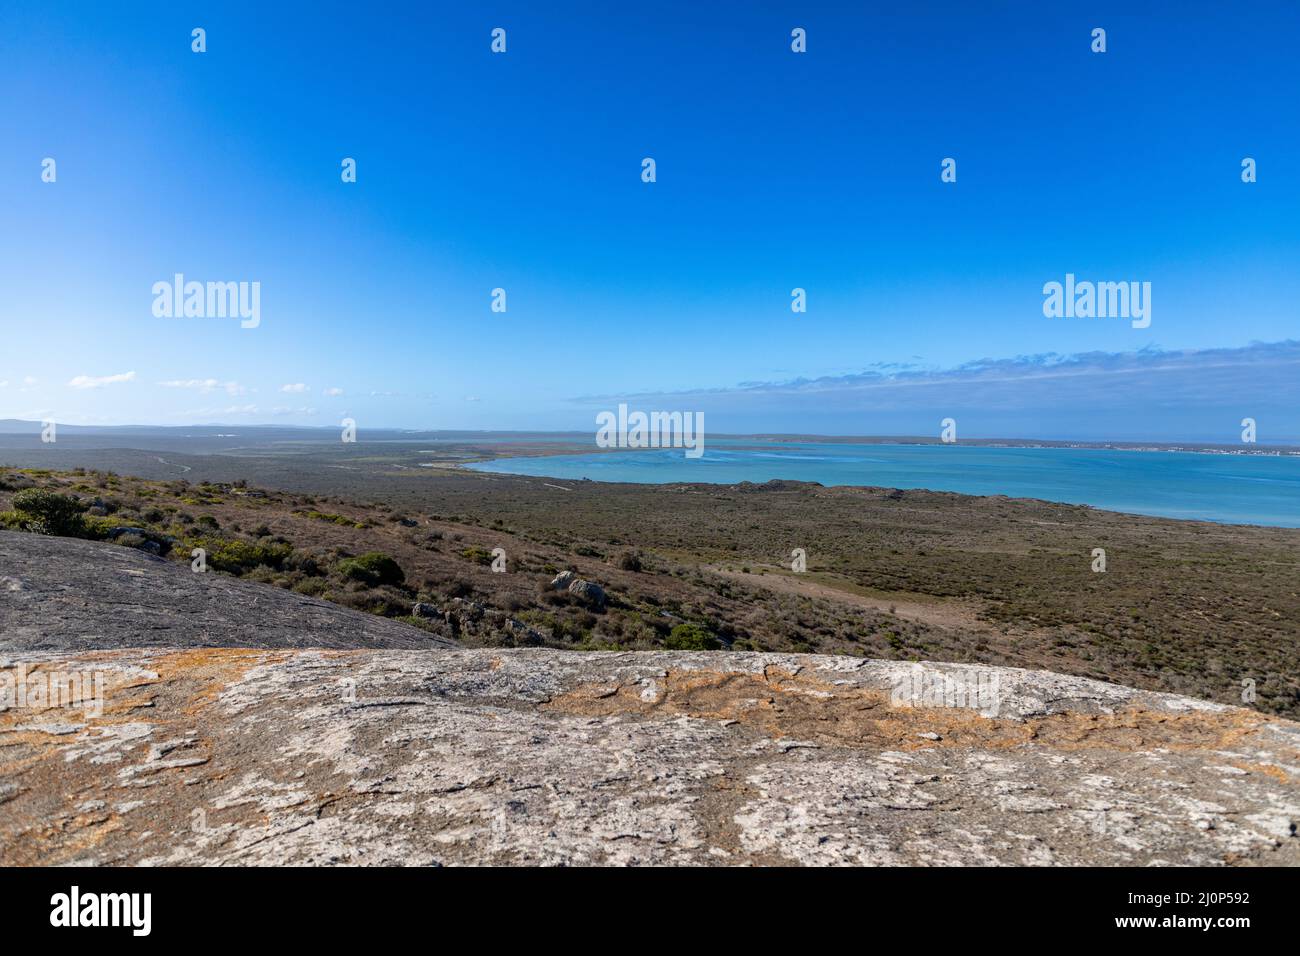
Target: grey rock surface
(67, 594)
(552, 757)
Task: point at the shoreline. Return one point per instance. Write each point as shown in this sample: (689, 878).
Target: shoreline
(278, 460)
(480, 466)
(1273, 451)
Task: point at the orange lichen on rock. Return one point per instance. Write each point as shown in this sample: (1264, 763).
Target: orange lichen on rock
(784, 704)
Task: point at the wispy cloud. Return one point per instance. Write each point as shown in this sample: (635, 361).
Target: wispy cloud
(205, 385)
(1152, 393)
(93, 381)
(1097, 377)
(297, 388)
(333, 392)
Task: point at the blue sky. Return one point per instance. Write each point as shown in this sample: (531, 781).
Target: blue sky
(775, 170)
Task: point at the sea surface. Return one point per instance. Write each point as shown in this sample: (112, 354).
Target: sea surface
(1240, 489)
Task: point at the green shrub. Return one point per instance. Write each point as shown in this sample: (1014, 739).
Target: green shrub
(341, 520)
(374, 568)
(47, 512)
(236, 557)
(477, 555)
(311, 586)
(691, 637)
(304, 563)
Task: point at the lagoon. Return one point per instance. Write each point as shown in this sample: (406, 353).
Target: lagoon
(1240, 489)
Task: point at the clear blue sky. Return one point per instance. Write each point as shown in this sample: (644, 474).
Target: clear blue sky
(775, 170)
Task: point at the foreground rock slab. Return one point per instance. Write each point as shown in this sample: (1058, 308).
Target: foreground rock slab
(237, 756)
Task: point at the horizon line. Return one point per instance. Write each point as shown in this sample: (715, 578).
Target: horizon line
(34, 427)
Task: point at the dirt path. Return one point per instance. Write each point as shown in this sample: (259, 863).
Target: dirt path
(184, 468)
(937, 613)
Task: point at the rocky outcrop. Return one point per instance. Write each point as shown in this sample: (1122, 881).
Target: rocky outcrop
(523, 634)
(67, 594)
(550, 757)
(592, 595)
(130, 735)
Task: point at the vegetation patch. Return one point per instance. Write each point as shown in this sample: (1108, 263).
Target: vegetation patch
(373, 568)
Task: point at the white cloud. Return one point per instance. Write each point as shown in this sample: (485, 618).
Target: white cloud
(205, 385)
(332, 392)
(99, 381)
(297, 388)
(282, 410)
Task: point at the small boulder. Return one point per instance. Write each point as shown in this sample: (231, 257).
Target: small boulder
(426, 610)
(562, 580)
(142, 539)
(593, 595)
(467, 610)
(524, 635)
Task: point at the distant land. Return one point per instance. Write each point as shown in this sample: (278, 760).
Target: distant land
(1238, 484)
(568, 441)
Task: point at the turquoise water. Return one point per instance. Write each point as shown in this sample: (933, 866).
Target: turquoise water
(1242, 489)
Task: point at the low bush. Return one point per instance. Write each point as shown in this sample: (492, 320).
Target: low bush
(691, 637)
(374, 568)
(237, 557)
(477, 555)
(630, 561)
(48, 512)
